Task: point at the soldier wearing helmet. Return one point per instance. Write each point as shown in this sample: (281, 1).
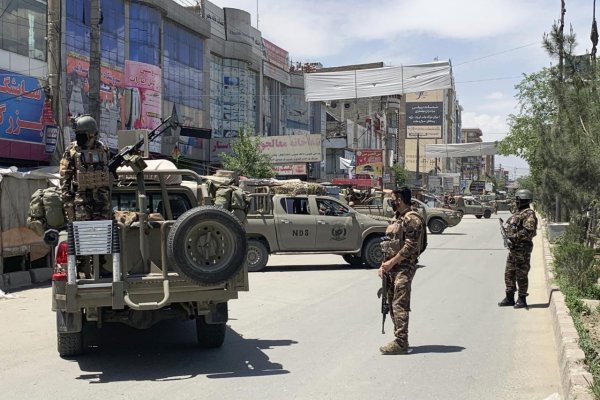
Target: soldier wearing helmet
(520, 230)
(84, 177)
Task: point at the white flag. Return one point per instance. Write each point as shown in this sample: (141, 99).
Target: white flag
(345, 163)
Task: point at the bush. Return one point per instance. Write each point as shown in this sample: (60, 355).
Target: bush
(574, 263)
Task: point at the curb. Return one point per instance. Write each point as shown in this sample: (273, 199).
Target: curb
(575, 379)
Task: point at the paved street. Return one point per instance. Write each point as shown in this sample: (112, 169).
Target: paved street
(310, 328)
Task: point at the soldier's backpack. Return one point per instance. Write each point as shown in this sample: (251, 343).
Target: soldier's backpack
(423, 238)
(45, 210)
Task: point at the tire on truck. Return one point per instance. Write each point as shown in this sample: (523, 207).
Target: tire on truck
(207, 245)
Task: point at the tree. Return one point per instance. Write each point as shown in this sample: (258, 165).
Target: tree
(400, 175)
(247, 158)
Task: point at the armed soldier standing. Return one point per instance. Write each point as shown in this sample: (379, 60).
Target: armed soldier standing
(520, 230)
(402, 252)
(84, 177)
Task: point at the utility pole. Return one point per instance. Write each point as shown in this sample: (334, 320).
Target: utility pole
(418, 175)
(94, 71)
(54, 63)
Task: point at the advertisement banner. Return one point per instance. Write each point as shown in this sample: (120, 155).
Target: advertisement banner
(276, 55)
(410, 156)
(424, 114)
(143, 95)
(111, 96)
(282, 149)
(369, 162)
(21, 104)
(289, 169)
(50, 138)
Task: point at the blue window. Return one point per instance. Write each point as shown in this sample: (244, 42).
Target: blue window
(112, 29)
(144, 34)
(183, 66)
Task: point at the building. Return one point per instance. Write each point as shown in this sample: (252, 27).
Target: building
(472, 168)
(23, 85)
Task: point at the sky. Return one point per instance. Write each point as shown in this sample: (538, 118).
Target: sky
(490, 43)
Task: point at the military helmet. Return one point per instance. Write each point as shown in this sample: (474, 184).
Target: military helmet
(86, 124)
(524, 195)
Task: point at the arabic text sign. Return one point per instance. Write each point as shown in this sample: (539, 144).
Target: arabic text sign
(424, 120)
(50, 138)
(21, 103)
(289, 169)
(369, 162)
(282, 149)
(146, 79)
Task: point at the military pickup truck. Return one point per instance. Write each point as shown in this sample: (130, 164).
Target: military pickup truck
(468, 205)
(285, 224)
(436, 219)
(168, 254)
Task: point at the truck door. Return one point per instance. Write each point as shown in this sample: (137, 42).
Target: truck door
(296, 227)
(335, 226)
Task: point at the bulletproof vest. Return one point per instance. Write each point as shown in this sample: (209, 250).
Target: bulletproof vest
(394, 239)
(515, 222)
(91, 168)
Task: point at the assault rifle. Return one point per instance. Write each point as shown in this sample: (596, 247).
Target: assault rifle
(385, 306)
(507, 242)
(128, 154)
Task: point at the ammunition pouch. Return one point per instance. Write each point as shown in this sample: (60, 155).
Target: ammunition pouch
(91, 179)
(390, 247)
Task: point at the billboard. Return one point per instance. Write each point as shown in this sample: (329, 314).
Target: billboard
(410, 156)
(282, 149)
(111, 96)
(425, 114)
(21, 104)
(143, 98)
(275, 55)
(369, 162)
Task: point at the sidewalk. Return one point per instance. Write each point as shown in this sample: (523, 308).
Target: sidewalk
(575, 380)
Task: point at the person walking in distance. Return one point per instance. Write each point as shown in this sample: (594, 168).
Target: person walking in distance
(405, 234)
(520, 229)
(84, 178)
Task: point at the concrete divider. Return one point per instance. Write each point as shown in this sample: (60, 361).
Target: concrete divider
(575, 379)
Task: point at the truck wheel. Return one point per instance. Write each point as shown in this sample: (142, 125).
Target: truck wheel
(210, 336)
(487, 214)
(353, 259)
(478, 216)
(257, 256)
(436, 226)
(460, 213)
(207, 245)
(69, 344)
(372, 255)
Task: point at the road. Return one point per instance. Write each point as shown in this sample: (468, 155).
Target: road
(310, 328)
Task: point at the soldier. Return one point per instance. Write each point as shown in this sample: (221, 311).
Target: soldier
(405, 234)
(84, 177)
(520, 230)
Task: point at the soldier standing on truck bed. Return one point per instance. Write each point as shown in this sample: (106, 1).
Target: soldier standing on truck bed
(84, 177)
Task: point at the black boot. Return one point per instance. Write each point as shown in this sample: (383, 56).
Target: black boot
(521, 302)
(509, 300)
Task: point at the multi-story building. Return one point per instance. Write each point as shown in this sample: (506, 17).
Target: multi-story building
(472, 167)
(23, 77)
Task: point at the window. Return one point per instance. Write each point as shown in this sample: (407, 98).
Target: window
(183, 66)
(295, 205)
(23, 28)
(332, 208)
(128, 202)
(144, 34)
(112, 30)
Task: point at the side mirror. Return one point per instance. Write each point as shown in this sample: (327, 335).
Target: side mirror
(352, 213)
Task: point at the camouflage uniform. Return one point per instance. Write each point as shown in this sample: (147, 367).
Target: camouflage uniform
(404, 233)
(84, 182)
(521, 228)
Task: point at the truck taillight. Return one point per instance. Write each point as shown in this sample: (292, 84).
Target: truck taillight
(61, 253)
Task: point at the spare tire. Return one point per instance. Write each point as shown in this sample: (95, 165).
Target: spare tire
(207, 245)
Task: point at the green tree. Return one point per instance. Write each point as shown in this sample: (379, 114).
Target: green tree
(400, 175)
(247, 158)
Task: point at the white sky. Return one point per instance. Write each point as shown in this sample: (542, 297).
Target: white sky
(491, 43)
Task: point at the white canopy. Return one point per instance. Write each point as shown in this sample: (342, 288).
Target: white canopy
(460, 149)
(386, 81)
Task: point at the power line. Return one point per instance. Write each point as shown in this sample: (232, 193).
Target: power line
(496, 54)
(492, 79)
(3, 100)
